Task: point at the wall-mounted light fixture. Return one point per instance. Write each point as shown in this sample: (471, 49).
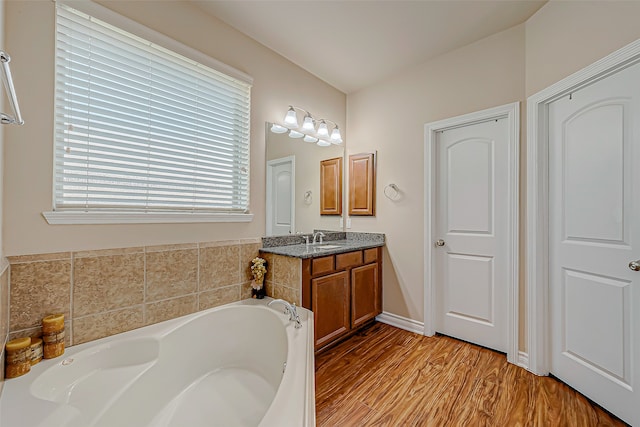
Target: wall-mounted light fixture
(308, 130)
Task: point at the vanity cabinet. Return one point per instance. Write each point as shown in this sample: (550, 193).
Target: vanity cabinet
(344, 291)
(330, 306)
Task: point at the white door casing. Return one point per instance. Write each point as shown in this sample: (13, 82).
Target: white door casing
(537, 226)
(594, 232)
(280, 196)
(471, 202)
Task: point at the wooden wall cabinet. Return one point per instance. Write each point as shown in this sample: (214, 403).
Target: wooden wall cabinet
(344, 291)
(331, 186)
(362, 184)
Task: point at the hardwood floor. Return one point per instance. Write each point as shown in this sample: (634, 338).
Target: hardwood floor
(385, 376)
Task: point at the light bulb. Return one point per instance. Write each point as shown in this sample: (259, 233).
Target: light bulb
(322, 129)
(309, 138)
(307, 123)
(295, 134)
(278, 129)
(323, 143)
(335, 135)
(291, 118)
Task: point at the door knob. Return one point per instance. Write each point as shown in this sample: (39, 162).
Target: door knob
(635, 265)
(441, 243)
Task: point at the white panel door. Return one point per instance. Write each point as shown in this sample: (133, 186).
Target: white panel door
(594, 233)
(471, 229)
(280, 196)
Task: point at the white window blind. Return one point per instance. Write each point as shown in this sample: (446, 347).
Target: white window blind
(139, 128)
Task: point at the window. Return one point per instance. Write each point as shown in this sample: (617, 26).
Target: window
(143, 132)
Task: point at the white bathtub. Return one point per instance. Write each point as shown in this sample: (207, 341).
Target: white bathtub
(220, 367)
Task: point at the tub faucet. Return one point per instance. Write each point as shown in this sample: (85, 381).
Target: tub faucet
(316, 235)
(289, 309)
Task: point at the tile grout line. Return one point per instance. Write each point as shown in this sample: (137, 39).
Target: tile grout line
(144, 285)
(72, 282)
(198, 279)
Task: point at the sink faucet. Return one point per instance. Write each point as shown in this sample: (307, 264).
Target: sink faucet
(316, 235)
(289, 309)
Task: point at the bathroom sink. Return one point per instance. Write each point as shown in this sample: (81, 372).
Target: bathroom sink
(328, 246)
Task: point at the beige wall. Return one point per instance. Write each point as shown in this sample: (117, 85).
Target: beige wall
(390, 118)
(29, 154)
(566, 36)
(560, 39)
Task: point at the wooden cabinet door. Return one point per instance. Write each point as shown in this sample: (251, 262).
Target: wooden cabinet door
(331, 186)
(364, 294)
(330, 306)
(362, 184)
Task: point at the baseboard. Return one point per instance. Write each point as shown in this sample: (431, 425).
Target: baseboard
(523, 360)
(401, 322)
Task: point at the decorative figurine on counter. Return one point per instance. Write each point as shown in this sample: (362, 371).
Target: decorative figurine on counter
(258, 270)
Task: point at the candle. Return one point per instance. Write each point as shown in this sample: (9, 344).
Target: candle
(18, 363)
(53, 335)
(36, 351)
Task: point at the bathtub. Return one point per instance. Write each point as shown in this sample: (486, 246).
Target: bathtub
(242, 364)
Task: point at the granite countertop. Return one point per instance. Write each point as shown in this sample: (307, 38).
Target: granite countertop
(336, 243)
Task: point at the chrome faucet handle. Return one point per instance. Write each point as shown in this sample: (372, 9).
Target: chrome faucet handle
(306, 239)
(316, 235)
(290, 310)
(293, 316)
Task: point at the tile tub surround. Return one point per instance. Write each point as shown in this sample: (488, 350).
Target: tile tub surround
(105, 292)
(4, 313)
(284, 277)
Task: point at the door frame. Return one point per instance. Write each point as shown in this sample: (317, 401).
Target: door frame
(537, 181)
(512, 113)
(268, 193)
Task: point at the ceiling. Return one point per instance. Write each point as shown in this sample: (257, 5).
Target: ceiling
(351, 44)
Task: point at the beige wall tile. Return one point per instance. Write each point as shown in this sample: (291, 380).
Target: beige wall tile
(37, 290)
(107, 283)
(245, 290)
(36, 331)
(102, 325)
(218, 297)
(270, 262)
(171, 274)
(247, 253)
(4, 307)
(218, 243)
(287, 294)
(219, 266)
(107, 252)
(4, 316)
(2, 371)
(287, 271)
(160, 248)
(268, 287)
(170, 309)
(21, 259)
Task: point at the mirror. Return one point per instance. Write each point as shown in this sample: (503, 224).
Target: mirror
(293, 185)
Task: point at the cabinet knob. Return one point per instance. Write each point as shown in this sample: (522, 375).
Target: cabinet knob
(440, 242)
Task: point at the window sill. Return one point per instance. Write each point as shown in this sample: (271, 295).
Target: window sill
(68, 218)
